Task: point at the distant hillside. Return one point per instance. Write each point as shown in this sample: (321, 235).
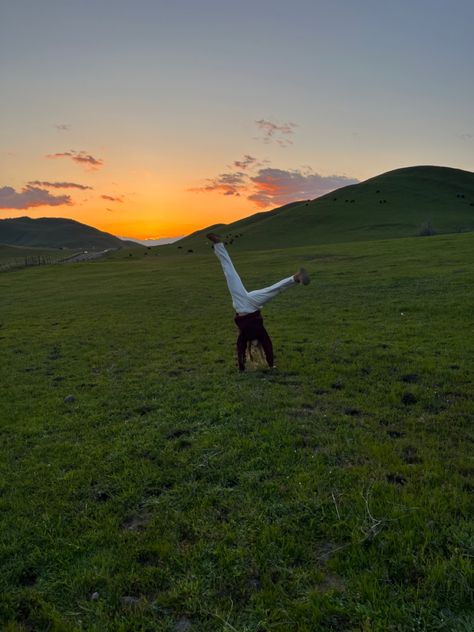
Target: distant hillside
(18, 253)
(400, 203)
(55, 232)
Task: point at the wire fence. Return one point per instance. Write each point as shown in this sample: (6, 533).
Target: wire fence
(44, 260)
(30, 261)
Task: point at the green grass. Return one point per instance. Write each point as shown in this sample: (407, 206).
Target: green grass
(333, 493)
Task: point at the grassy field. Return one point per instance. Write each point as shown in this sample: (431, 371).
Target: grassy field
(147, 485)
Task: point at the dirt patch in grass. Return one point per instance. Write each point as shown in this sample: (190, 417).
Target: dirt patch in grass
(176, 434)
(410, 455)
(326, 551)
(396, 479)
(144, 410)
(410, 378)
(352, 412)
(395, 434)
(331, 582)
(136, 522)
(408, 399)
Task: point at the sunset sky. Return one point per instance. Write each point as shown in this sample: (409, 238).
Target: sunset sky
(151, 118)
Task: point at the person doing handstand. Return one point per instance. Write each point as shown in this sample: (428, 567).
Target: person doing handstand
(247, 305)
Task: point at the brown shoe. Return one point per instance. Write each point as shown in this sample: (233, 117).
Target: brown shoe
(214, 238)
(302, 277)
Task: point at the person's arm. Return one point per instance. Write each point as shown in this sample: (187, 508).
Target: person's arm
(266, 343)
(241, 348)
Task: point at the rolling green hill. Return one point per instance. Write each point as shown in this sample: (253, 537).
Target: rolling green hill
(55, 232)
(400, 203)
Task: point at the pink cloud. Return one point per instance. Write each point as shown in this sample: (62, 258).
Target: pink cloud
(110, 198)
(246, 162)
(80, 157)
(267, 186)
(30, 197)
(275, 187)
(59, 185)
(225, 183)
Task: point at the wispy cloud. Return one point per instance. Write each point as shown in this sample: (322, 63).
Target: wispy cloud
(59, 185)
(110, 198)
(274, 132)
(225, 183)
(246, 162)
(466, 136)
(81, 157)
(275, 187)
(63, 127)
(30, 197)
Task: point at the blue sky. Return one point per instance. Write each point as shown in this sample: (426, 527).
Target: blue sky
(168, 97)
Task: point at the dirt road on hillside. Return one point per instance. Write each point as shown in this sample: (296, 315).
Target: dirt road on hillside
(86, 255)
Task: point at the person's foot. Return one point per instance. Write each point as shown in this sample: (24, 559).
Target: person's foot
(214, 238)
(302, 277)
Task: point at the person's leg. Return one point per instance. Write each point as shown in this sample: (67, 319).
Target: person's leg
(246, 302)
(239, 294)
(262, 296)
(265, 294)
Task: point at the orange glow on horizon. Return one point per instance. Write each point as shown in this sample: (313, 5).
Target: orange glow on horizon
(183, 215)
(161, 201)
